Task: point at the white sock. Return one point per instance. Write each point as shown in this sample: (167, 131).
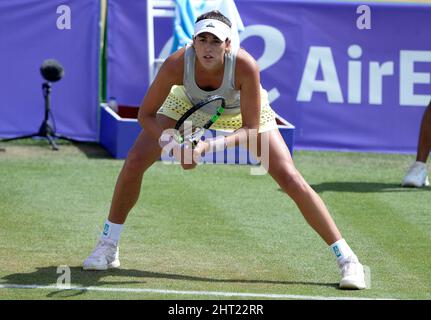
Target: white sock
(112, 231)
(342, 251)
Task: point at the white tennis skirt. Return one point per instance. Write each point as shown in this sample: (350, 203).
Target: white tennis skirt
(177, 103)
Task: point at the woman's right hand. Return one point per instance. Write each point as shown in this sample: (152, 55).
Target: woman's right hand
(183, 153)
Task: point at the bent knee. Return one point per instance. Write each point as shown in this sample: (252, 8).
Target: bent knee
(133, 162)
(137, 161)
(291, 181)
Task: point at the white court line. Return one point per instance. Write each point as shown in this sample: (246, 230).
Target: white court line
(178, 292)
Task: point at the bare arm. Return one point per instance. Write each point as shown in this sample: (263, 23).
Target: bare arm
(247, 80)
(170, 73)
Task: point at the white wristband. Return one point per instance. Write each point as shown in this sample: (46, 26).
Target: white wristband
(217, 144)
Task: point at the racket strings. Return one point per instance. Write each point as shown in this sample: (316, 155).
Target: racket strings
(198, 118)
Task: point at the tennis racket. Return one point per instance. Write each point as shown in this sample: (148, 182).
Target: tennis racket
(192, 125)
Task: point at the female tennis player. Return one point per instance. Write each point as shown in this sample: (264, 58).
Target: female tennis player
(209, 66)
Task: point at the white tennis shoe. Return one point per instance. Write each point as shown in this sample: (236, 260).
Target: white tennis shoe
(416, 176)
(352, 274)
(103, 257)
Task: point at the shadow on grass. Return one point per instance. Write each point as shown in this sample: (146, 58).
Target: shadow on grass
(93, 150)
(362, 187)
(48, 276)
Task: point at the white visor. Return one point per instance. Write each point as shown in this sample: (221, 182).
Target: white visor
(216, 27)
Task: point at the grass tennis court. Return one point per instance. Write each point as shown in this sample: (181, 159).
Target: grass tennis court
(242, 234)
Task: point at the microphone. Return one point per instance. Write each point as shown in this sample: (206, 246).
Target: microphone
(51, 70)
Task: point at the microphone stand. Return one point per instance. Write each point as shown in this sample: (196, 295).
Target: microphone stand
(45, 131)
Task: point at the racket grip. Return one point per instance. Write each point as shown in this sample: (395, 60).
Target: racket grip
(217, 144)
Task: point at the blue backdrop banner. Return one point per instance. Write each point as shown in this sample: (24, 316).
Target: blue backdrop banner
(348, 76)
(32, 31)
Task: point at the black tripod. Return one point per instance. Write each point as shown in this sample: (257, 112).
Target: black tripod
(45, 130)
